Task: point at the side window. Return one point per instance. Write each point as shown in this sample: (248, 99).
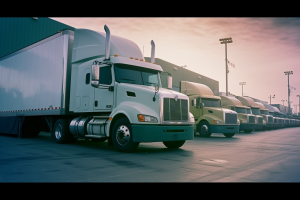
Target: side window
(87, 78)
(105, 75)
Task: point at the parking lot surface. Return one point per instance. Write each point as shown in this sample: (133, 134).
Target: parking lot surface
(265, 156)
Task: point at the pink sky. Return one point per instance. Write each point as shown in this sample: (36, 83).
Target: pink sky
(262, 49)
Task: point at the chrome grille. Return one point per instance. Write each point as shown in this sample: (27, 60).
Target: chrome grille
(175, 110)
(230, 118)
(270, 119)
(260, 120)
(251, 119)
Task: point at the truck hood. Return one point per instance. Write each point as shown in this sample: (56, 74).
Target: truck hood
(150, 90)
(217, 111)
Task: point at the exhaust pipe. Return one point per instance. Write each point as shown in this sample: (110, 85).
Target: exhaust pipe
(107, 42)
(152, 52)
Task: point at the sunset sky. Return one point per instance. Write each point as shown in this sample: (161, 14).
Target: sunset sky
(262, 49)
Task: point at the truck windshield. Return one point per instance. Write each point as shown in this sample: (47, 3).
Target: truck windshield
(248, 111)
(136, 75)
(240, 110)
(211, 102)
(255, 111)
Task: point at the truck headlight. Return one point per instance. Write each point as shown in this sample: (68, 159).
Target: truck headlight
(192, 119)
(146, 118)
(217, 122)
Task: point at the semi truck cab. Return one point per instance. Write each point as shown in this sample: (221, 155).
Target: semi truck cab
(259, 121)
(119, 95)
(269, 119)
(247, 120)
(206, 108)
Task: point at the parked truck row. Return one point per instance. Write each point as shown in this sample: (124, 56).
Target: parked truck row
(85, 84)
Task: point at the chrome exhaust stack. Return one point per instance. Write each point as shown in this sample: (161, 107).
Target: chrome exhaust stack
(152, 52)
(107, 42)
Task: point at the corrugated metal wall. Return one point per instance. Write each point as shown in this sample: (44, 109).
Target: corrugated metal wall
(19, 32)
(182, 74)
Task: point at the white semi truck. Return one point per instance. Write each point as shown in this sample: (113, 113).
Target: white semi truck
(92, 85)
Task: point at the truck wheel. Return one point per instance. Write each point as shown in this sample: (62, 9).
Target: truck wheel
(122, 136)
(61, 132)
(248, 131)
(204, 129)
(229, 135)
(174, 144)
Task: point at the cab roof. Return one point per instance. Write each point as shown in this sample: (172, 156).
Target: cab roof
(231, 101)
(191, 88)
(261, 106)
(246, 101)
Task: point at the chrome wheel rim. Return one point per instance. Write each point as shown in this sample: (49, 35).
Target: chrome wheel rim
(58, 130)
(123, 135)
(204, 129)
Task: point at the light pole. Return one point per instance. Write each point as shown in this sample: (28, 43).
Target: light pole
(296, 108)
(271, 98)
(242, 83)
(299, 102)
(288, 73)
(225, 41)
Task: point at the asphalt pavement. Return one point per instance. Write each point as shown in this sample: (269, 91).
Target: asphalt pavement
(265, 156)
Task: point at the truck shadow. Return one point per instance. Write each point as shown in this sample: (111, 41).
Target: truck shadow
(149, 148)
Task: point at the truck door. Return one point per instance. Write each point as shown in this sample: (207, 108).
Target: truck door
(104, 98)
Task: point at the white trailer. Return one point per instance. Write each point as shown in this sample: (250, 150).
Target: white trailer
(88, 84)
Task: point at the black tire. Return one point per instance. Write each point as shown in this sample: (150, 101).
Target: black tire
(174, 144)
(248, 131)
(98, 139)
(122, 136)
(61, 133)
(229, 135)
(204, 129)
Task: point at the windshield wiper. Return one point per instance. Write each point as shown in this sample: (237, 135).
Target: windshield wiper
(152, 83)
(126, 79)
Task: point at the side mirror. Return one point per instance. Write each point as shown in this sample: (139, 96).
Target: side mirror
(170, 82)
(95, 75)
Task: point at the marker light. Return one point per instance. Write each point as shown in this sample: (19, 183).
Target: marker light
(146, 61)
(136, 59)
(131, 57)
(115, 55)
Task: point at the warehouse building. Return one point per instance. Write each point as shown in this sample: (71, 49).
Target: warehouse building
(181, 74)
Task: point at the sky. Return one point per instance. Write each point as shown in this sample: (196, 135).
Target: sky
(262, 49)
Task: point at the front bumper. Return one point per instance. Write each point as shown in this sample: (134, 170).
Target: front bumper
(269, 126)
(224, 128)
(158, 133)
(259, 126)
(247, 126)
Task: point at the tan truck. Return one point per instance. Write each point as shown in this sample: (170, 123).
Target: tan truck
(209, 116)
(247, 121)
(269, 119)
(246, 101)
